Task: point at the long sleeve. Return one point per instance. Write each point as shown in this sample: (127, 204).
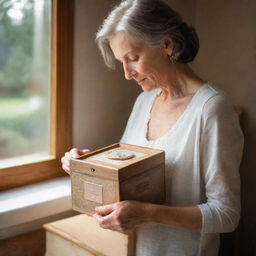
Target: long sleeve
(221, 147)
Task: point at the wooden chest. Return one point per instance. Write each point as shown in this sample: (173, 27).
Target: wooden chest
(98, 180)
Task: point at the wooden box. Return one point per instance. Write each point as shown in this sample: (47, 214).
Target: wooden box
(97, 180)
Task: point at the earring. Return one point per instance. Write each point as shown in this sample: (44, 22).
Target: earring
(172, 58)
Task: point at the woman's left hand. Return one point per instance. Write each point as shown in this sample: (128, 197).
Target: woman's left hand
(121, 216)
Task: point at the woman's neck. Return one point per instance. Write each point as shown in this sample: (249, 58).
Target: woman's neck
(181, 82)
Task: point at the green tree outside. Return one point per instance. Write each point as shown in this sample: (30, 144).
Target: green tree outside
(16, 36)
(23, 127)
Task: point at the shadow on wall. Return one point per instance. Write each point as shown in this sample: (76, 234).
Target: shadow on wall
(248, 191)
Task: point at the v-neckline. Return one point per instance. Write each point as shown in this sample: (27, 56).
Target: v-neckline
(175, 125)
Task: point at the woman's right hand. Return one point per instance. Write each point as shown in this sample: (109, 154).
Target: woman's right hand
(74, 153)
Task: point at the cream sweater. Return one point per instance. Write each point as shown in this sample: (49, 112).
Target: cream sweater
(203, 151)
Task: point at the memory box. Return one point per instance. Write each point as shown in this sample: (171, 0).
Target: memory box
(115, 173)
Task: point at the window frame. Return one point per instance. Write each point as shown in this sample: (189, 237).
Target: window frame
(62, 43)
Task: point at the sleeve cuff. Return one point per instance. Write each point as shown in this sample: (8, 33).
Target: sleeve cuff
(207, 218)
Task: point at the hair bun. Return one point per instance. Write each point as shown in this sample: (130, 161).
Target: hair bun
(191, 43)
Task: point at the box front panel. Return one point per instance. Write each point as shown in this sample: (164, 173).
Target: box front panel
(146, 187)
(89, 192)
(93, 192)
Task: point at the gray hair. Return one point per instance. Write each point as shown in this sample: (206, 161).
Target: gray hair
(150, 21)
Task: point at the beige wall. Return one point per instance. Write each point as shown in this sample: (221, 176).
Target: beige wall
(102, 98)
(227, 58)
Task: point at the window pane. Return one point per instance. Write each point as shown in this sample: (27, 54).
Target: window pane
(25, 81)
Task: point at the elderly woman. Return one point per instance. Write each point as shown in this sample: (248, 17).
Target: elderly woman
(182, 114)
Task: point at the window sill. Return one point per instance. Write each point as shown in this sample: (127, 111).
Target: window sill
(21, 160)
(27, 208)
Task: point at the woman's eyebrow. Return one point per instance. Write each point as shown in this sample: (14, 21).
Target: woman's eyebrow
(125, 55)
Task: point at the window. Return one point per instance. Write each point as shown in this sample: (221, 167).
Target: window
(36, 59)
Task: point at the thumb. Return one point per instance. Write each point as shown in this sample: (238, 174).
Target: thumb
(84, 151)
(74, 152)
(105, 209)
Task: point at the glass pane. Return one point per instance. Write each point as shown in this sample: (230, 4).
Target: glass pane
(25, 29)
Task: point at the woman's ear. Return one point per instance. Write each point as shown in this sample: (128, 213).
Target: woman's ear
(168, 44)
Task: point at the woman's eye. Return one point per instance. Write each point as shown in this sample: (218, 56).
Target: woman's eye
(134, 58)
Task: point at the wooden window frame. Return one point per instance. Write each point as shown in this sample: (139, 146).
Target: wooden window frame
(61, 103)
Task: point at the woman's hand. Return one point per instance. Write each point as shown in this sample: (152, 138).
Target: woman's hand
(121, 216)
(74, 153)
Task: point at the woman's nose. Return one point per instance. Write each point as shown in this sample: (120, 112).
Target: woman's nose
(129, 73)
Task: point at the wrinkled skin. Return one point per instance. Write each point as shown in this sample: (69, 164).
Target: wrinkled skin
(121, 216)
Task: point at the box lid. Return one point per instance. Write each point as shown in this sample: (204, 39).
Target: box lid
(97, 163)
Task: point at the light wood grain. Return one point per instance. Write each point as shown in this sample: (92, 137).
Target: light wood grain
(96, 183)
(84, 232)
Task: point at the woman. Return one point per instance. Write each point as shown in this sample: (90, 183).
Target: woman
(182, 114)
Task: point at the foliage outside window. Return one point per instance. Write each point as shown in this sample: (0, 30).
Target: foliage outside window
(24, 79)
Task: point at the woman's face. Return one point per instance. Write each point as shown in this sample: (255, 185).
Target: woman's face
(149, 66)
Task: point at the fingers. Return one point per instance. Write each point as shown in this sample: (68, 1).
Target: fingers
(84, 151)
(105, 209)
(65, 164)
(101, 221)
(73, 153)
(121, 216)
(105, 216)
(109, 222)
(108, 217)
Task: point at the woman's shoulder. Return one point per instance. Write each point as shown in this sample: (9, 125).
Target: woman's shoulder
(217, 104)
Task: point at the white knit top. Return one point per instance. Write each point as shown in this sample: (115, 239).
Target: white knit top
(202, 155)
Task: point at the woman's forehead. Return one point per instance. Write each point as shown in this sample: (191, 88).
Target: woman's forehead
(123, 37)
(121, 44)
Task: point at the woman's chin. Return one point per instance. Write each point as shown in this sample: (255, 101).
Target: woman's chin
(147, 88)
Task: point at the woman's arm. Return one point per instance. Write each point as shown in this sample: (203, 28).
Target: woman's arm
(125, 215)
(221, 146)
(189, 217)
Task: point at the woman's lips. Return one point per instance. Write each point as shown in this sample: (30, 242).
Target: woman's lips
(140, 82)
